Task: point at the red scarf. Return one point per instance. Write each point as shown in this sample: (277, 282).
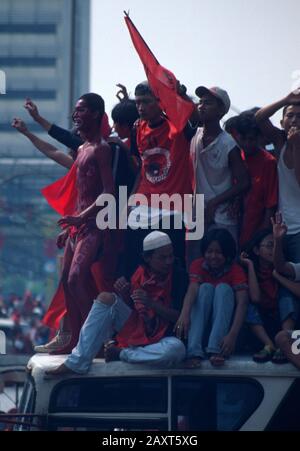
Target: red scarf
(269, 288)
(144, 326)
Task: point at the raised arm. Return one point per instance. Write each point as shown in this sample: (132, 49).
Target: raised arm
(32, 109)
(275, 134)
(182, 91)
(44, 147)
(61, 135)
(65, 137)
(279, 231)
(122, 94)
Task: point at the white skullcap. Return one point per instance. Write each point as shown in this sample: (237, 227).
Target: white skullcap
(155, 240)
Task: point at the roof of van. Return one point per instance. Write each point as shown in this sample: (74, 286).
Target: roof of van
(234, 367)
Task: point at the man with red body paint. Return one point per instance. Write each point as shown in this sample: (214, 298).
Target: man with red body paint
(93, 177)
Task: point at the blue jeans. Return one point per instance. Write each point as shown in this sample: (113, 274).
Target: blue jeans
(212, 303)
(102, 322)
(289, 305)
(292, 247)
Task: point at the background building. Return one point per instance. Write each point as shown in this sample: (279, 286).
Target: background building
(44, 52)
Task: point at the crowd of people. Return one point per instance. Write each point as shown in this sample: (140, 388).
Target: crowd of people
(155, 296)
(24, 329)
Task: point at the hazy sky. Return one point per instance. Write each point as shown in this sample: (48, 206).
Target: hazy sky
(249, 47)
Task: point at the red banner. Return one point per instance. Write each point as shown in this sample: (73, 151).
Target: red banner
(162, 82)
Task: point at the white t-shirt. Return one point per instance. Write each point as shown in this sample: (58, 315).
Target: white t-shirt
(296, 267)
(289, 195)
(213, 174)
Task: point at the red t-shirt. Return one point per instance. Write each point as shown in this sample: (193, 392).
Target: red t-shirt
(166, 165)
(262, 195)
(234, 276)
(134, 331)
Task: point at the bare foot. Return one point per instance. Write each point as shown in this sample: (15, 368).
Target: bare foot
(60, 371)
(111, 353)
(217, 360)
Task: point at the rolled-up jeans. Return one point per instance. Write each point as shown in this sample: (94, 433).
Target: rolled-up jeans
(101, 324)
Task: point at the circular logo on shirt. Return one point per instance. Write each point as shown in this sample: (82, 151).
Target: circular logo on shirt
(157, 163)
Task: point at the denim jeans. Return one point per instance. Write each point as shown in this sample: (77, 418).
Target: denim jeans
(288, 304)
(169, 351)
(102, 322)
(292, 247)
(215, 304)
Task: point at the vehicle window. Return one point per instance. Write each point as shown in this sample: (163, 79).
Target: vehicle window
(27, 404)
(110, 395)
(214, 404)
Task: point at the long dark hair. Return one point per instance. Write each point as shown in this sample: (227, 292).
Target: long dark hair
(225, 240)
(255, 242)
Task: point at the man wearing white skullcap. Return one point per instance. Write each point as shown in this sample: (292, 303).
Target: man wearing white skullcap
(142, 313)
(155, 240)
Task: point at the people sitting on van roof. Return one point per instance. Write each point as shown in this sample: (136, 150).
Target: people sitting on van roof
(288, 274)
(142, 313)
(217, 297)
(271, 306)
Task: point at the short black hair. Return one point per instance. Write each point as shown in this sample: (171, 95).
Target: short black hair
(287, 106)
(143, 89)
(230, 124)
(246, 123)
(95, 103)
(225, 240)
(125, 113)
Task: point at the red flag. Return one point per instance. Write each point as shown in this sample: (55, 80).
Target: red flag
(162, 82)
(56, 310)
(62, 194)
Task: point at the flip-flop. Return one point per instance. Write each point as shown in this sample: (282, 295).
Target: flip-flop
(217, 360)
(264, 355)
(279, 357)
(193, 362)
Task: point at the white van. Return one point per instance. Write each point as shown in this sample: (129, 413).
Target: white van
(242, 395)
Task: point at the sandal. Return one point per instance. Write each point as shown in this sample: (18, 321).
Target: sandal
(193, 362)
(217, 360)
(279, 357)
(264, 355)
